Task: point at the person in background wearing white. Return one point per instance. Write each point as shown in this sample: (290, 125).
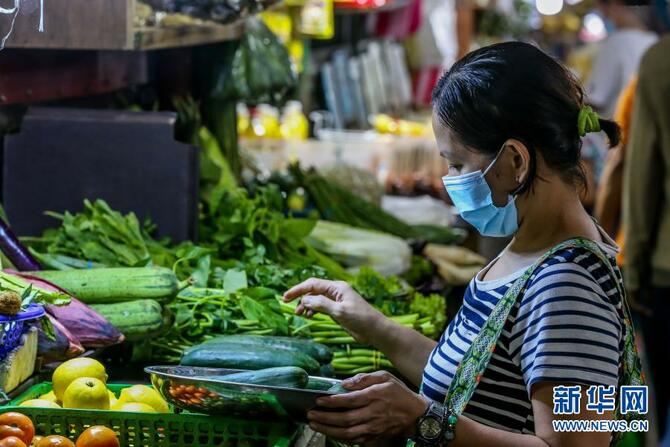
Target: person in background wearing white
(620, 53)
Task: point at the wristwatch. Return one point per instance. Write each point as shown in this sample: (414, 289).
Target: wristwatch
(431, 426)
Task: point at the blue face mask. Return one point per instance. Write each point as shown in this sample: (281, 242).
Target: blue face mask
(473, 200)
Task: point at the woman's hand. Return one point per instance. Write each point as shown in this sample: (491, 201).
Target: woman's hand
(339, 300)
(378, 405)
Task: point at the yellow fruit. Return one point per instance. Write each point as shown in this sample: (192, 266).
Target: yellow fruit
(49, 396)
(86, 393)
(134, 407)
(112, 398)
(74, 369)
(40, 403)
(145, 395)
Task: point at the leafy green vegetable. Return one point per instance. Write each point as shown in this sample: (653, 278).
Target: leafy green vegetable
(269, 319)
(234, 280)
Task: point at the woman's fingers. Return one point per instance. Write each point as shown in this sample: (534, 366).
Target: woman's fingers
(313, 286)
(362, 381)
(340, 418)
(355, 399)
(318, 303)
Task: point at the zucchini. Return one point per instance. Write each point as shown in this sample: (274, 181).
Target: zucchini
(319, 352)
(283, 376)
(235, 356)
(137, 320)
(114, 285)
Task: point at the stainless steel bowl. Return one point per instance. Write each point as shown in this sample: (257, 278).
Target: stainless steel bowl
(189, 388)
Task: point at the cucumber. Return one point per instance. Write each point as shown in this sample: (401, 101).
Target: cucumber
(284, 376)
(327, 370)
(137, 320)
(246, 357)
(320, 352)
(114, 285)
(316, 384)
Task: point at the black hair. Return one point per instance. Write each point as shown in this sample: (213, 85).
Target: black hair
(515, 90)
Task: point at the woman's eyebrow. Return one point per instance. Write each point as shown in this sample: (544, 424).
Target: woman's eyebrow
(449, 155)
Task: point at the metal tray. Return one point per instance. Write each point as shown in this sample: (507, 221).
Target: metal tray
(188, 388)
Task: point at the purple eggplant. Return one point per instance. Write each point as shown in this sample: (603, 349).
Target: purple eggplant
(15, 251)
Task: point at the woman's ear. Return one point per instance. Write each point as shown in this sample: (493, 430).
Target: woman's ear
(519, 160)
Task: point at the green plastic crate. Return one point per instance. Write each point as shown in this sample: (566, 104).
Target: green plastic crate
(154, 429)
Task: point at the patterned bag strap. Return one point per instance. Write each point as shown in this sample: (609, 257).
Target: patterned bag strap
(630, 370)
(477, 357)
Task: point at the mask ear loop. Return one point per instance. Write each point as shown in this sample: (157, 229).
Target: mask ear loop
(500, 151)
(523, 187)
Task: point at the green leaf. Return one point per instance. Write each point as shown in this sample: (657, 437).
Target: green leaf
(48, 329)
(183, 314)
(260, 293)
(234, 280)
(255, 310)
(201, 273)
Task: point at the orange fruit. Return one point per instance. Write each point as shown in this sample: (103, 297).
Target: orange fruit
(98, 436)
(55, 441)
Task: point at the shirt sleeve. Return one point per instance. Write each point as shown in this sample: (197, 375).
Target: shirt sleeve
(567, 330)
(641, 192)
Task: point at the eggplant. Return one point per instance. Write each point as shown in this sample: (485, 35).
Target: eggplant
(15, 251)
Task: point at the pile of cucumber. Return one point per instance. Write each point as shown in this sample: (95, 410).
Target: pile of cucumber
(282, 376)
(255, 352)
(132, 299)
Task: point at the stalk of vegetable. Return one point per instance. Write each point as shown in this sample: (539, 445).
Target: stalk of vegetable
(31, 293)
(17, 254)
(339, 204)
(349, 361)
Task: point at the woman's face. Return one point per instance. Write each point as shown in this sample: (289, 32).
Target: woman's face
(501, 178)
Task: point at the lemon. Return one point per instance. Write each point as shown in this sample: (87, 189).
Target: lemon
(86, 393)
(134, 407)
(40, 403)
(145, 395)
(74, 369)
(49, 396)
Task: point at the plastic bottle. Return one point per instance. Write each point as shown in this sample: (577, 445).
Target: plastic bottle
(265, 122)
(294, 124)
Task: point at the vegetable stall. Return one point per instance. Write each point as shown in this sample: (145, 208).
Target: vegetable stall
(114, 333)
(104, 278)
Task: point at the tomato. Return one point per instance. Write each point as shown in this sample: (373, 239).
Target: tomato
(7, 430)
(36, 441)
(13, 420)
(55, 441)
(98, 436)
(12, 441)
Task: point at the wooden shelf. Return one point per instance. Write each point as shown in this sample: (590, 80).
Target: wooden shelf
(107, 25)
(187, 35)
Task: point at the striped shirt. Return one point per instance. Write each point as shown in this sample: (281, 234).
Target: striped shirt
(565, 328)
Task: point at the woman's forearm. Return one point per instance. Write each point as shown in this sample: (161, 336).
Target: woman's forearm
(407, 349)
(470, 433)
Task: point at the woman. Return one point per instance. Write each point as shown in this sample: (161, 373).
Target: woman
(509, 121)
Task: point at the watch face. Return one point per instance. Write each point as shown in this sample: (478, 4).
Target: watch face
(430, 428)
